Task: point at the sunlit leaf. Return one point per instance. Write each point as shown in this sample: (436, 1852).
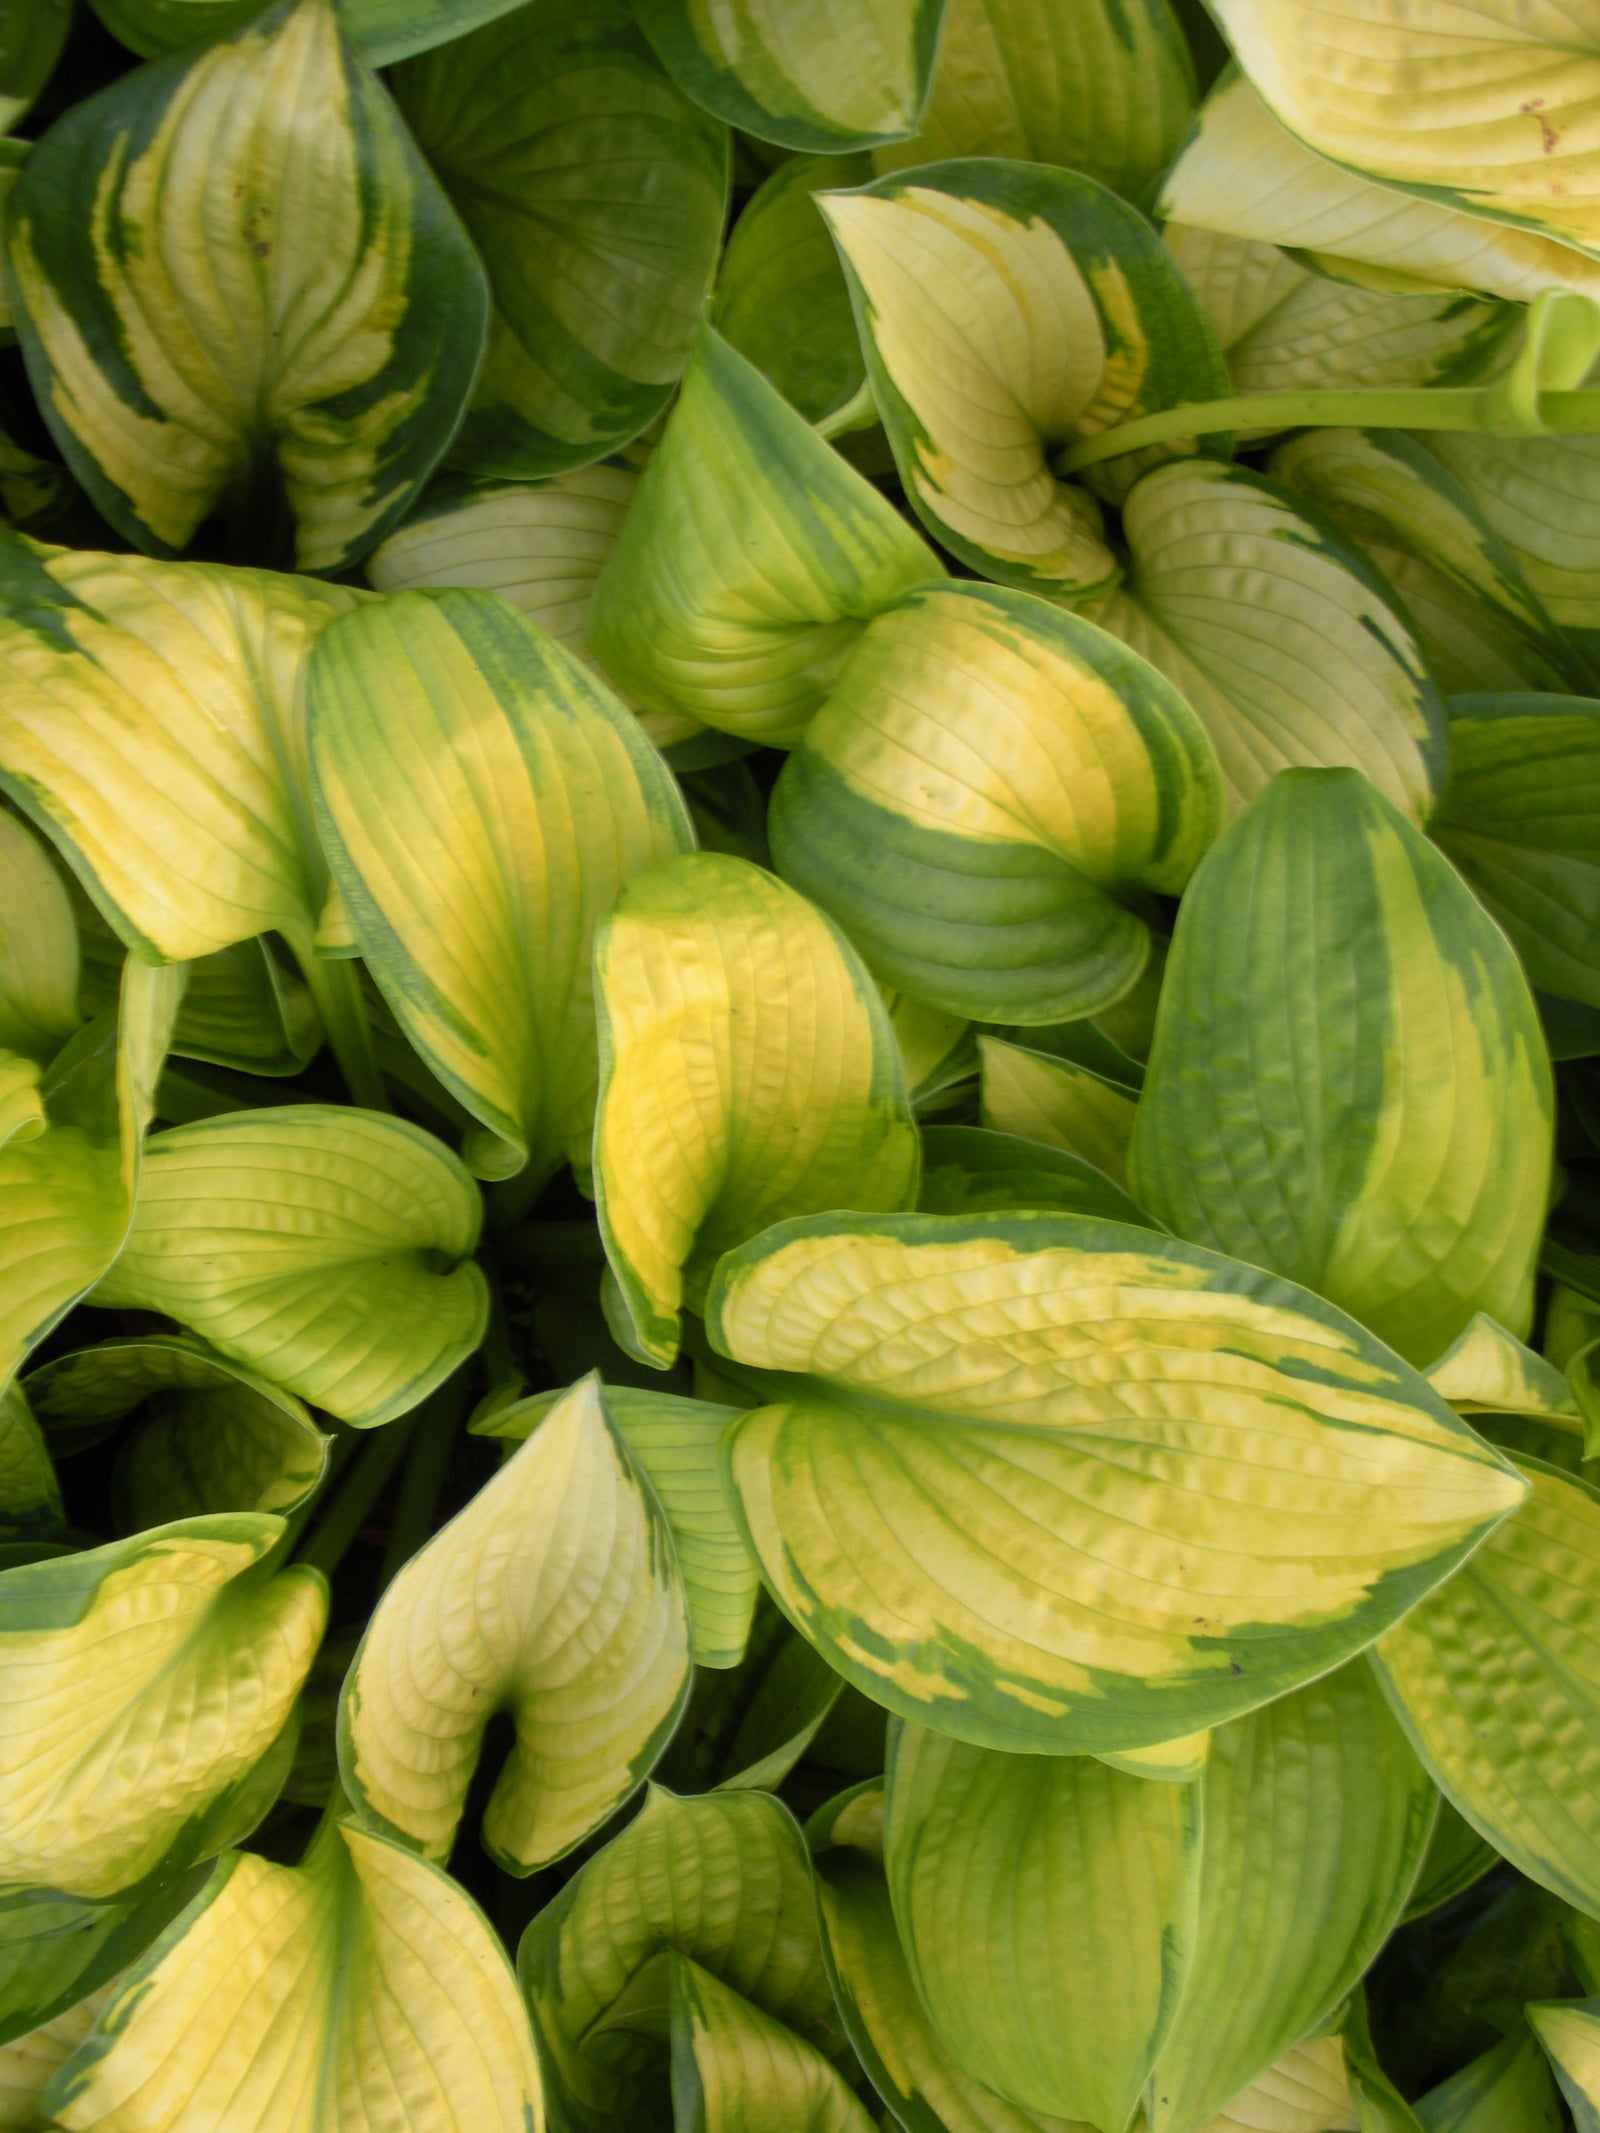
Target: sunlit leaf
(971, 1496)
(28, 2062)
(325, 1249)
(240, 290)
(990, 787)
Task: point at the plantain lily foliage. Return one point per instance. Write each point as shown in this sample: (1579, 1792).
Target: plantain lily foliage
(799, 1066)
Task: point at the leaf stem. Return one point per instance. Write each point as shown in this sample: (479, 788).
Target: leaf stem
(1458, 407)
(427, 1462)
(335, 984)
(360, 1489)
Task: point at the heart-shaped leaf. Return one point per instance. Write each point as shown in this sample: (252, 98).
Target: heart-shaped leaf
(1349, 1082)
(303, 349)
(750, 563)
(326, 1249)
(140, 1681)
(316, 1998)
(1008, 310)
(483, 799)
(555, 1596)
(971, 1497)
(747, 1072)
(990, 785)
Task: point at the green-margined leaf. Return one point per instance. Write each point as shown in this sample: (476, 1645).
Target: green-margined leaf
(905, 2054)
(29, 2061)
(1090, 85)
(1508, 2087)
(1306, 2091)
(747, 1072)
(57, 1950)
(676, 1442)
(67, 1192)
(1496, 1677)
(1279, 633)
(806, 76)
(1007, 310)
(213, 1437)
(1349, 1083)
(482, 799)
(1459, 73)
(1521, 819)
(736, 2070)
(596, 195)
(1475, 614)
(970, 1170)
(30, 1495)
(1046, 1906)
(325, 1249)
(990, 786)
(1486, 1371)
(140, 1680)
(153, 722)
(782, 300)
(385, 30)
(240, 290)
(319, 1998)
(971, 1497)
(1284, 327)
(1316, 1819)
(751, 561)
(1246, 176)
(38, 948)
(1570, 2033)
(748, 1726)
(555, 1596)
(1059, 1103)
(725, 1880)
(31, 38)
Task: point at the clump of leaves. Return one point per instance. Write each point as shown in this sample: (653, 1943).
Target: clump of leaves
(799, 1067)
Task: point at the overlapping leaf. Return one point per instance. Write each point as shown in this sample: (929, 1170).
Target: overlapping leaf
(30, 1495)
(1059, 1103)
(38, 949)
(990, 786)
(385, 30)
(241, 291)
(969, 1493)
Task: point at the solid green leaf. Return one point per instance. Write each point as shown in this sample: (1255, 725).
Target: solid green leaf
(990, 787)
(38, 948)
(1456, 1858)
(782, 301)
(1496, 1677)
(1316, 1818)
(1284, 639)
(725, 1880)
(1349, 1082)
(1476, 617)
(1090, 85)
(1059, 1103)
(1521, 819)
(240, 290)
(809, 76)
(747, 1727)
(1285, 327)
(325, 1249)
(970, 1170)
(212, 1438)
(141, 1680)
(1496, 110)
(320, 1998)
(676, 1442)
(67, 1192)
(1046, 1906)
(482, 799)
(1007, 310)
(385, 30)
(31, 38)
(1509, 2087)
(1245, 175)
(736, 2070)
(153, 723)
(554, 1595)
(30, 1495)
(596, 194)
(747, 1072)
(970, 1495)
(1570, 2033)
(750, 562)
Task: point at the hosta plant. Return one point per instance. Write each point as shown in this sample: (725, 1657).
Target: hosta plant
(799, 1067)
